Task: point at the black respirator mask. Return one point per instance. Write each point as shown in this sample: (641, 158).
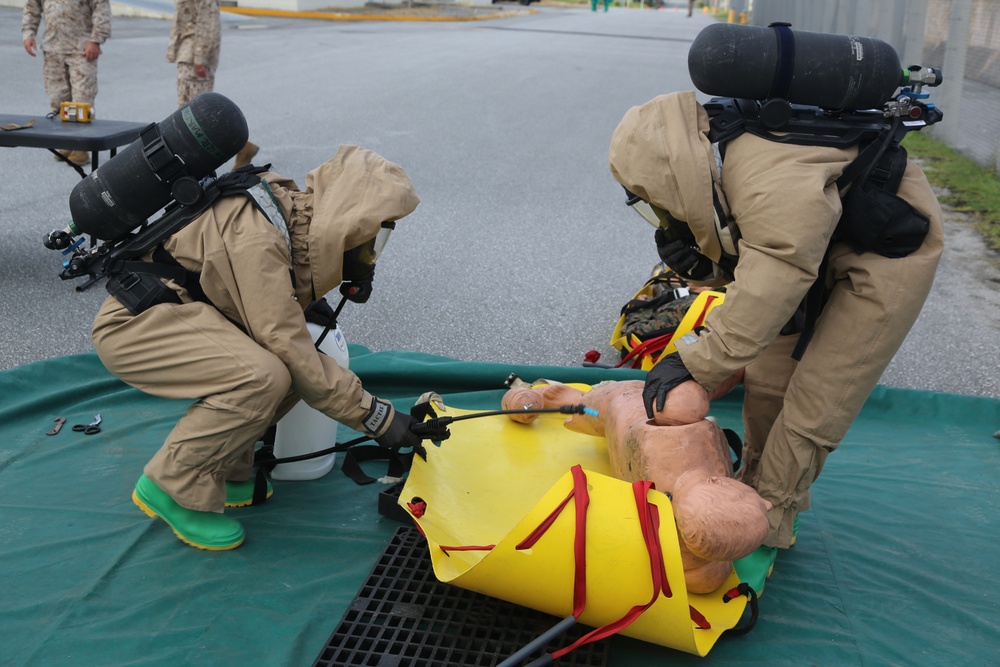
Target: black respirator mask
(675, 243)
(359, 265)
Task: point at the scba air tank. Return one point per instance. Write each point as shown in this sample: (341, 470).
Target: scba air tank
(186, 146)
(305, 430)
(811, 68)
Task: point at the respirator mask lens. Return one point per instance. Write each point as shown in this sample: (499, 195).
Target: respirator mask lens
(651, 214)
(359, 262)
(378, 243)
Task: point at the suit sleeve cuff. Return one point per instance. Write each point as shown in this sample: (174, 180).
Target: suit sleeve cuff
(377, 416)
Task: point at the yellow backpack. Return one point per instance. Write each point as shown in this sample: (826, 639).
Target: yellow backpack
(663, 310)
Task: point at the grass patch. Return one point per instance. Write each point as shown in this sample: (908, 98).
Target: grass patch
(970, 187)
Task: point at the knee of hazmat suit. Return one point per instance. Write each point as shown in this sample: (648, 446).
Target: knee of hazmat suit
(345, 206)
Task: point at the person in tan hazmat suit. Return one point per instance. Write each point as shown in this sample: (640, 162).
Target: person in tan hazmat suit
(247, 356)
(784, 201)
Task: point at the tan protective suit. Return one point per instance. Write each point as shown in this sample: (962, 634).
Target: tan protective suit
(785, 202)
(250, 358)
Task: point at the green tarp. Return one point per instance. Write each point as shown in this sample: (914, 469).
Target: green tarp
(896, 564)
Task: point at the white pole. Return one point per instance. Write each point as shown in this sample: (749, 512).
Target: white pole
(916, 25)
(954, 69)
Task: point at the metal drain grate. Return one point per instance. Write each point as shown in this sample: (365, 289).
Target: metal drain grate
(404, 617)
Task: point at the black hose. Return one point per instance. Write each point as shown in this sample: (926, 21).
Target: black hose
(539, 642)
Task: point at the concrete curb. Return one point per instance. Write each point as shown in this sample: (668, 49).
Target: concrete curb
(338, 16)
(136, 10)
(131, 11)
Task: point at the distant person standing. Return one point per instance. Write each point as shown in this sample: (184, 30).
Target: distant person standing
(71, 44)
(195, 44)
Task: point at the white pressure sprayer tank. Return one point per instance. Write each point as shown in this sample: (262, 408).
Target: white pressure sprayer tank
(305, 430)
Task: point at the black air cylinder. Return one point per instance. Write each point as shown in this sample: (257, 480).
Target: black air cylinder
(122, 193)
(813, 68)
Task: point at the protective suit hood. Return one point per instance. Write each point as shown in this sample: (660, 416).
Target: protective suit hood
(351, 195)
(660, 152)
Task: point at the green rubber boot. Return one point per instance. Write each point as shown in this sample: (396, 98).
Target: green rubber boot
(756, 568)
(203, 530)
(240, 494)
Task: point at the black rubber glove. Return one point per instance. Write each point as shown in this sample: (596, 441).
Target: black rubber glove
(660, 379)
(399, 435)
(682, 258)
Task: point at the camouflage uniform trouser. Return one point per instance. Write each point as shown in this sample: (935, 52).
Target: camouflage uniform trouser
(69, 77)
(190, 85)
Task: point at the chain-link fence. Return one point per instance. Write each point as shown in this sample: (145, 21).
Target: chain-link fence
(960, 37)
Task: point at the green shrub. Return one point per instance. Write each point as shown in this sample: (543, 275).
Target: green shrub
(969, 187)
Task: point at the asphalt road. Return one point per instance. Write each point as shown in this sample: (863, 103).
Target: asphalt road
(522, 249)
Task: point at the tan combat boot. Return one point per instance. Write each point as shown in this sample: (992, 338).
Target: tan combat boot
(78, 158)
(245, 155)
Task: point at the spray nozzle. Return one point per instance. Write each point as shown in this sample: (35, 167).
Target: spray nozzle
(578, 410)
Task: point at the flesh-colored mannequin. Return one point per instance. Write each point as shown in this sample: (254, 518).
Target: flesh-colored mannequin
(718, 518)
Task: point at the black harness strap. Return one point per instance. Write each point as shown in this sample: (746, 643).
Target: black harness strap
(265, 455)
(729, 117)
(879, 164)
(785, 61)
(355, 456)
(743, 589)
(165, 266)
(125, 268)
(190, 280)
(265, 461)
(161, 159)
(177, 217)
(812, 306)
(869, 159)
(736, 445)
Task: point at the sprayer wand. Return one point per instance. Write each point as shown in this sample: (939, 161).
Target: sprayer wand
(432, 429)
(435, 424)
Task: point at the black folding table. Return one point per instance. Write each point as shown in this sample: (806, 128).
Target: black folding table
(55, 135)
